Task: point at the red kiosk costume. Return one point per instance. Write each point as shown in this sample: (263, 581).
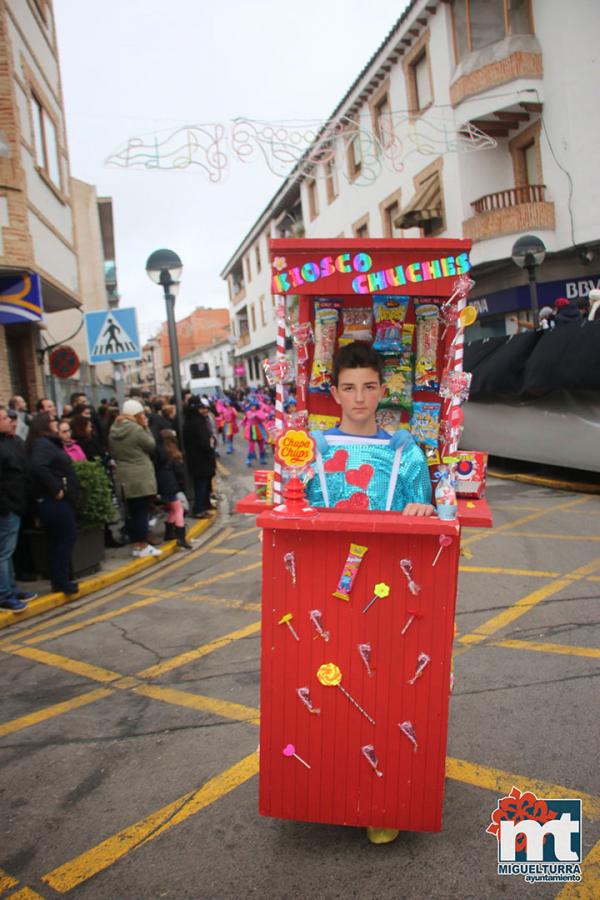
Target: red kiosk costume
(358, 606)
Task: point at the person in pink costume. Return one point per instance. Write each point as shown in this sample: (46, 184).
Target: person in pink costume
(255, 432)
(230, 427)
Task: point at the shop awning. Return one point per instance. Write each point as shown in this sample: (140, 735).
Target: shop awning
(424, 206)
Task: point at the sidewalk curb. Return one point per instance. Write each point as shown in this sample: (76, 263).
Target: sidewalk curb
(557, 484)
(97, 582)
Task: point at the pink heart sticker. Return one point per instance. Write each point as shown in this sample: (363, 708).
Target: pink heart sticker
(360, 477)
(338, 461)
(357, 501)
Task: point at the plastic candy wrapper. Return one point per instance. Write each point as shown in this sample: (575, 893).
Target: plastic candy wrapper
(317, 422)
(461, 287)
(304, 694)
(390, 420)
(449, 313)
(278, 370)
(302, 335)
(365, 654)
(380, 590)
(398, 378)
(357, 325)
(423, 661)
(389, 314)
(302, 382)
(455, 385)
(407, 570)
(297, 420)
(287, 620)
(407, 729)
(290, 750)
(315, 617)
(350, 571)
(428, 332)
(263, 485)
(330, 676)
(289, 561)
(368, 751)
(425, 423)
(445, 493)
(326, 320)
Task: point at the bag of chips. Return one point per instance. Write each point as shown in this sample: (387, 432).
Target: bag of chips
(397, 377)
(326, 320)
(389, 314)
(358, 325)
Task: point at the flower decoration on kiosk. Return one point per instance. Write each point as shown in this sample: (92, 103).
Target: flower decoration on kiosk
(280, 263)
(379, 591)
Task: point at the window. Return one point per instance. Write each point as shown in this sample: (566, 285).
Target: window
(421, 82)
(527, 158)
(382, 121)
(331, 183)
(262, 311)
(353, 150)
(390, 210)
(45, 142)
(530, 163)
(360, 229)
(478, 23)
(252, 317)
(426, 208)
(313, 199)
(257, 257)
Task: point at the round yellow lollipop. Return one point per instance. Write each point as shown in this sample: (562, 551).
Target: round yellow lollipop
(467, 316)
(330, 675)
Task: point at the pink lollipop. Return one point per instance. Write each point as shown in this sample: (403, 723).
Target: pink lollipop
(315, 617)
(407, 729)
(445, 541)
(423, 661)
(290, 750)
(289, 561)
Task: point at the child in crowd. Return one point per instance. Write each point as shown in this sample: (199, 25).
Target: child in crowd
(394, 470)
(170, 478)
(255, 432)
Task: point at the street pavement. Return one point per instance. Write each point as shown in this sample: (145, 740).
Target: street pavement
(128, 731)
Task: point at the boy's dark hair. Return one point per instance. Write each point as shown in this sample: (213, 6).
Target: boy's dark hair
(357, 355)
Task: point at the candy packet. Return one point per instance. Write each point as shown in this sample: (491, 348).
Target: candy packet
(397, 378)
(425, 423)
(389, 314)
(428, 331)
(390, 420)
(326, 320)
(357, 325)
(318, 422)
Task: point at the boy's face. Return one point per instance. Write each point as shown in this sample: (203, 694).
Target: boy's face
(358, 392)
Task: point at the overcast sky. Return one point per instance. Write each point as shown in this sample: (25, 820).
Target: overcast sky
(132, 67)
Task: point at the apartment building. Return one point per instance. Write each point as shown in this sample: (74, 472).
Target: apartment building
(38, 259)
(470, 120)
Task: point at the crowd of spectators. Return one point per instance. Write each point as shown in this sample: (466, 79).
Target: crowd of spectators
(140, 451)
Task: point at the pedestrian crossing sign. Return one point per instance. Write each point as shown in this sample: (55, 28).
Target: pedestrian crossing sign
(112, 335)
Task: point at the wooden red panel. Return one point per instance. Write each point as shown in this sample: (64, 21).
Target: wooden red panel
(341, 787)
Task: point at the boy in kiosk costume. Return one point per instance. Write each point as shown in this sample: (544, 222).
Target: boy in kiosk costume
(387, 472)
(399, 477)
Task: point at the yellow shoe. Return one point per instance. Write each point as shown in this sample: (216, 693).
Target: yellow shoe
(382, 835)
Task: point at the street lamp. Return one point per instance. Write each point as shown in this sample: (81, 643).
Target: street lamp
(164, 267)
(529, 252)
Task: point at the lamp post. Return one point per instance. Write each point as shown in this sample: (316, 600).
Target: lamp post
(529, 252)
(164, 267)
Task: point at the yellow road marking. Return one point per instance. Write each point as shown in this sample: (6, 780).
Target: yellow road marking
(221, 601)
(63, 662)
(492, 532)
(222, 708)
(26, 894)
(103, 617)
(492, 570)
(6, 881)
(231, 574)
(552, 537)
(191, 655)
(231, 551)
(501, 783)
(118, 592)
(526, 603)
(590, 652)
(103, 855)
(49, 712)
(224, 536)
(243, 531)
(151, 592)
(589, 886)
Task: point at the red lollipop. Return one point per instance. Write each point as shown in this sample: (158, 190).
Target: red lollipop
(445, 541)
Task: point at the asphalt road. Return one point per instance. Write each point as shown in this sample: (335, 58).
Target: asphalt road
(128, 730)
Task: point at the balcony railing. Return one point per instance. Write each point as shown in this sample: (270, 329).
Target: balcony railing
(527, 193)
(243, 340)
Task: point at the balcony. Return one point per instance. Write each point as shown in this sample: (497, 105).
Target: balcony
(243, 340)
(509, 211)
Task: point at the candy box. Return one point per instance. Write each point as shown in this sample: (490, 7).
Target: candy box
(263, 485)
(471, 472)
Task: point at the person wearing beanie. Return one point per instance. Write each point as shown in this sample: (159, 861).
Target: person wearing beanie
(131, 445)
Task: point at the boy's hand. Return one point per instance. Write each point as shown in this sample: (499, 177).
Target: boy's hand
(418, 509)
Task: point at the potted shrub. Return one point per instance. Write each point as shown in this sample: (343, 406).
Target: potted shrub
(93, 510)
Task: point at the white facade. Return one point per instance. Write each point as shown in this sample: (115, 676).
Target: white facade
(220, 360)
(528, 91)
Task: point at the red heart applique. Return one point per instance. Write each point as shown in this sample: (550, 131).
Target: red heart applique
(338, 461)
(360, 477)
(357, 501)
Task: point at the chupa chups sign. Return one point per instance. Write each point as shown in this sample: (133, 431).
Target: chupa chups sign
(294, 448)
(419, 269)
